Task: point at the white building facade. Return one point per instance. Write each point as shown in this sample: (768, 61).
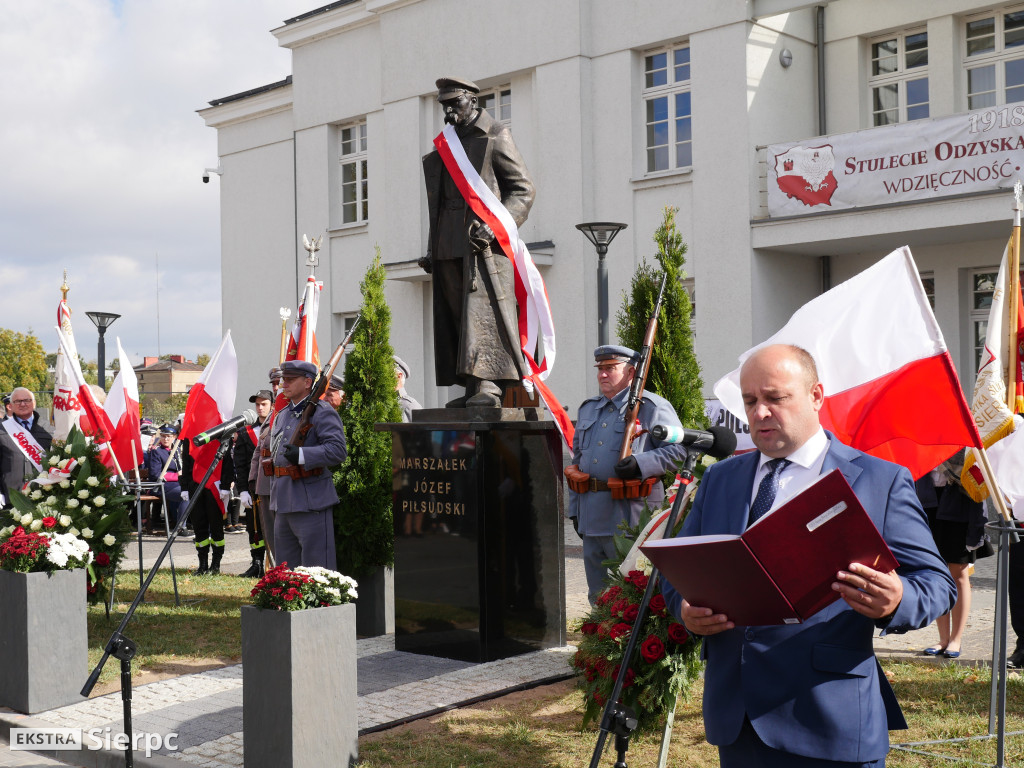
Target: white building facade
(619, 108)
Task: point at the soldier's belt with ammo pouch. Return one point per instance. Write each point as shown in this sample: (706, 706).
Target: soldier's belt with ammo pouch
(582, 482)
(296, 473)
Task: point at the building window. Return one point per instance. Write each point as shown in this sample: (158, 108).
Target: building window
(928, 281)
(995, 59)
(983, 283)
(354, 189)
(497, 102)
(667, 113)
(899, 78)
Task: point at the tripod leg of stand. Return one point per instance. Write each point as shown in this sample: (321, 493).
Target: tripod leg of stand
(666, 735)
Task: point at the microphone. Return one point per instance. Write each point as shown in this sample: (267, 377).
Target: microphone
(719, 442)
(244, 419)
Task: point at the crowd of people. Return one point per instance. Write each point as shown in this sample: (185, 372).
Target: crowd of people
(281, 495)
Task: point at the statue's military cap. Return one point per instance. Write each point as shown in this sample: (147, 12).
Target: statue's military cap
(450, 87)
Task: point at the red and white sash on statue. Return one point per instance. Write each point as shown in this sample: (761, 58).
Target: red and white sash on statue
(26, 443)
(531, 294)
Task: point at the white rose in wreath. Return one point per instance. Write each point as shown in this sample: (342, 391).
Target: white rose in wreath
(87, 533)
(73, 503)
(37, 525)
(53, 461)
(99, 501)
(83, 494)
(65, 484)
(109, 540)
(36, 494)
(25, 519)
(92, 480)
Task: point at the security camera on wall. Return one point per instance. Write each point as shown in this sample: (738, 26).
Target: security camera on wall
(208, 171)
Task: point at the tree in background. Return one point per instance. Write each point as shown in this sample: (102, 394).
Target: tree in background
(22, 361)
(363, 519)
(674, 371)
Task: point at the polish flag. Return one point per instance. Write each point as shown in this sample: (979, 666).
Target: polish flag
(95, 421)
(890, 386)
(122, 407)
(211, 401)
(67, 408)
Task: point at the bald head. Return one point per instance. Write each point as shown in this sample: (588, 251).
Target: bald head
(782, 397)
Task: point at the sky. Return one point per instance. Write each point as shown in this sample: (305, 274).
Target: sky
(101, 161)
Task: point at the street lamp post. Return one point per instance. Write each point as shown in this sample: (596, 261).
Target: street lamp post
(102, 321)
(601, 233)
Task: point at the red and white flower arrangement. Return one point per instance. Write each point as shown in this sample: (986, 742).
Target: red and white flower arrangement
(296, 589)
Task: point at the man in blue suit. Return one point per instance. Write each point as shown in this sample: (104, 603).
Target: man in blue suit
(810, 694)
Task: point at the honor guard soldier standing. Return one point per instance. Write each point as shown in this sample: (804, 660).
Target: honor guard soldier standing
(245, 448)
(302, 492)
(207, 515)
(406, 401)
(595, 454)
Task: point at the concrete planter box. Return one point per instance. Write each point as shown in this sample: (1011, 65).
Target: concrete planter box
(44, 644)
(299, 699)
(375, 606)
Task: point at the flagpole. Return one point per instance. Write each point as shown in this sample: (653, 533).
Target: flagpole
(285, 314)
(1011, 301)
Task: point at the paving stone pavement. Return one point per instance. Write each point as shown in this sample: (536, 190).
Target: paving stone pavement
(205, 709)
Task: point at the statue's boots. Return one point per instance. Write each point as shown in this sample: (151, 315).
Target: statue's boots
(460, 402)
(488, 395)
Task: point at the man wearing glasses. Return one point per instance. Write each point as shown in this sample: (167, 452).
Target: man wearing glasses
(24, 439)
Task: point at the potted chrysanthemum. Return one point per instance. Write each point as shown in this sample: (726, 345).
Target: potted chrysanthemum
(298, 641)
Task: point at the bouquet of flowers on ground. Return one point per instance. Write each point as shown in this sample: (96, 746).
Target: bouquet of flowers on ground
(295, 589)
(75, 506)
(668, 661)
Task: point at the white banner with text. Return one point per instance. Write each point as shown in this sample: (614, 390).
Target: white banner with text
(977, 151)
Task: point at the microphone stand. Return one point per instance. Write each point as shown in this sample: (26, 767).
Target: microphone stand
(123, 648)
(619, 719)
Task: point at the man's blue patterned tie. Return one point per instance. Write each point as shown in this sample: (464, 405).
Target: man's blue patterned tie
(766, 490)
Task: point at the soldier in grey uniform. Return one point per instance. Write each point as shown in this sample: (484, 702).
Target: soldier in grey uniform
(303, 492)
(406, 401)
(595, 450)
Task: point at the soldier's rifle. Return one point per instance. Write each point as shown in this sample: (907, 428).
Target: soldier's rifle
(632, 489)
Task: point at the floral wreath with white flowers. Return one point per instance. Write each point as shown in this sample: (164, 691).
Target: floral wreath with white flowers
(76, 507)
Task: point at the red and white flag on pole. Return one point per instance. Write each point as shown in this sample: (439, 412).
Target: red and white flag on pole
(122, 407)
(890, 386)
(211, 401)
(67, 408)
(302, 342)
(95, 421)
(535, 320)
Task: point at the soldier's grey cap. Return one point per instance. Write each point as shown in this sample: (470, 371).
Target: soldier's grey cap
(336, 383)
(263, 394)
(450, 87)
(275, 374)
(401, 365)
(296, 368)
(616, 352)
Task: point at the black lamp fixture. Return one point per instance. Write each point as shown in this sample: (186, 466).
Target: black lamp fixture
(102, 321)
(601, 233)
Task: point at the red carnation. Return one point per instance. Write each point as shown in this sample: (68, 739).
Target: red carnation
(619, 630)
(677, 633)
(618, 607)
(49, 522)
(652, 649)
(102, 559)
(631, 612)
(657, 605)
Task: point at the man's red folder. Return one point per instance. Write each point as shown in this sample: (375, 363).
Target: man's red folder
(781, 570)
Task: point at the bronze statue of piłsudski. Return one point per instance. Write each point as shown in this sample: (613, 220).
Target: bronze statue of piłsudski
(476, 343)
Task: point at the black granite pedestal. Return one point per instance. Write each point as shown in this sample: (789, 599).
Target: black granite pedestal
(479, 552)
